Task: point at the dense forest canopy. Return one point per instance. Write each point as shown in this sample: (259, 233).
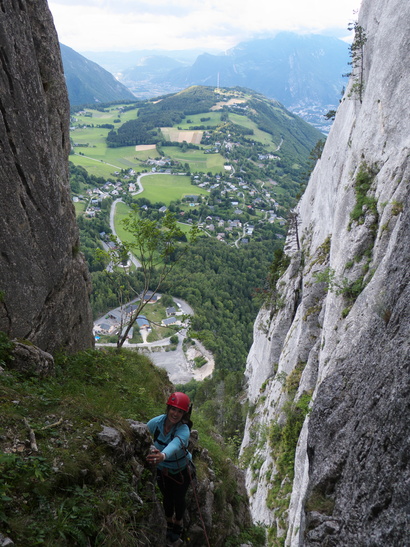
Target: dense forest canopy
(221, 283)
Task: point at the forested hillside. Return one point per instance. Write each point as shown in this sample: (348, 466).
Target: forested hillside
(269, 116)
(223, 283)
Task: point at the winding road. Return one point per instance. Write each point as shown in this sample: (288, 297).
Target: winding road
(178, 364)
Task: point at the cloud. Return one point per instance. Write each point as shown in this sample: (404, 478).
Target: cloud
(108, 25)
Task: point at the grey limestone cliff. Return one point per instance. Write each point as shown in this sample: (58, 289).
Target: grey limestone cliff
(339, 333)
(44, 281)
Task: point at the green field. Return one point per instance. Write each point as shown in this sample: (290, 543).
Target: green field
(195, 119)
(122, 211)
(258, 135)
(167, 188)
(144, 155)
(93, 166)
(79, 207)
(100, 160)
(97, 158)
(106, 117)
(94, 136)
(198, 161)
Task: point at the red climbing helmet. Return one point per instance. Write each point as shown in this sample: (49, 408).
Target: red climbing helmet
(179, 400)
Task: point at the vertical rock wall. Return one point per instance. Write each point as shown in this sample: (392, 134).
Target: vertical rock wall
(345, 343)
(44, 281)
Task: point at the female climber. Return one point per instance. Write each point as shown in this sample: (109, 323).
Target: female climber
(171, 433)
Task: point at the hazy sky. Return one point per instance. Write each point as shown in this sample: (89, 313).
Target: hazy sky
(126, 25)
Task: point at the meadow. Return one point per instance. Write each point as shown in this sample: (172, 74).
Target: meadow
(198, 161)
(258, 135)
(122, 211)
(112, 113)
(195, 119)
(105, 166)
(102, 161)
(97, 158)
(79, 207)
(167, 188)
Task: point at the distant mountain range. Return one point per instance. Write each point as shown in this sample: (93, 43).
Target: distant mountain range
(89, 83)
(291, 68)
(303, 72)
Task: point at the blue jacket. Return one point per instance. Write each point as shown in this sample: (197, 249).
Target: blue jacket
(174, 445)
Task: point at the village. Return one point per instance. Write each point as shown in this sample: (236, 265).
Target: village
(188, 358)
(231, 209)
(115, 321)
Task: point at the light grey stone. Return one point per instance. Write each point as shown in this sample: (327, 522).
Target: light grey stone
(352, 448)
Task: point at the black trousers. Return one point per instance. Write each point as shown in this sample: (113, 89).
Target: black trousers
(173, 488)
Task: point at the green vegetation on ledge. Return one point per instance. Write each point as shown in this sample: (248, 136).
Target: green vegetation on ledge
(59, 484)
(71, 491)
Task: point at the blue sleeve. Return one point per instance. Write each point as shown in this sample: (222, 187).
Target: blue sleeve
(180, 441)
(152, 424)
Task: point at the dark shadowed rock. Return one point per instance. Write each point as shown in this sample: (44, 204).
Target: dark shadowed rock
(358, 443)
(44, 281)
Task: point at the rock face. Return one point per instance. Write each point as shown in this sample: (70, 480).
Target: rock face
(44, 282)
(339, 331)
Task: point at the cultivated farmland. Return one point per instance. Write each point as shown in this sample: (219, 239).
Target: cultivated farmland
(176, 135)
(144, 147)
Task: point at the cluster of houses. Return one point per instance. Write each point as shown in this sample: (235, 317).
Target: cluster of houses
(242, 195)
(118, 318)
(124, 184)
(159, 165)
(239, 188)
(212, 224)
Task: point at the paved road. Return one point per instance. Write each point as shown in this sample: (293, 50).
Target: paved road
(179, 369)
(133, 258)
